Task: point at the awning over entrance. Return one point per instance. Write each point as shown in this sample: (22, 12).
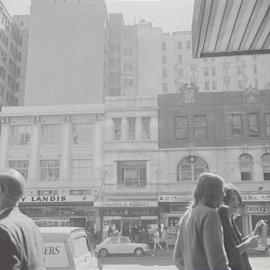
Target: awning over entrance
(230, 27)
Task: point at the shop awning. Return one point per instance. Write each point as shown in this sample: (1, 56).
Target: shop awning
(230, 27)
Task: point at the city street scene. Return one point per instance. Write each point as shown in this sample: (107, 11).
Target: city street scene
(135, 134)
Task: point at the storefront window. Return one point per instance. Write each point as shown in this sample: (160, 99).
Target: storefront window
(246, 167)
(131, 173)
(190, 168)
(266, 167)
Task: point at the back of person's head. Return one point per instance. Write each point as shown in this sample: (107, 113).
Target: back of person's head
(11, 186)
(229, 190)
(207, 189)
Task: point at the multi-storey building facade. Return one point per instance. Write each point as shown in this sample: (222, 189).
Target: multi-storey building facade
(67, 58)
(226, 133)
(232, 73)
(10, 57)
(59, 150)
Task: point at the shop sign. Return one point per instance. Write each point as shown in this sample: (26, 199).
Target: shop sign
(130, 212)
(257, 208)
(256, 197)
(53, 199)
(126, 204)
(175, 198)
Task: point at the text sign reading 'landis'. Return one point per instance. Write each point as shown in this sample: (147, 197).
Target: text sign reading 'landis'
(71, 198)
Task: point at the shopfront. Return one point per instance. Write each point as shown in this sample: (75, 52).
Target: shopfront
(129, 218)
(256, 207)
(172, 208)
(66, 211)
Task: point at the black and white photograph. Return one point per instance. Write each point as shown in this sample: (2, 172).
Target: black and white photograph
(134, 134)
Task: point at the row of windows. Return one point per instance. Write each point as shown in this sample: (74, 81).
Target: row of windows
(131, 128)
(134, 173)
(234, 126)
(51, 134)
(179, 45)
(49, 170)
(191, 167)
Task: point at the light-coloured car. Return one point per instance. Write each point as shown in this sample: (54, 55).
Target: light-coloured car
(121, 245)
(67, 248)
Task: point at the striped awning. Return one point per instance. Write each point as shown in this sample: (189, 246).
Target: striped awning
(230, 27)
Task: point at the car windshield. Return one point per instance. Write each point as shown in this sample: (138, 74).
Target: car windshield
(124, 240)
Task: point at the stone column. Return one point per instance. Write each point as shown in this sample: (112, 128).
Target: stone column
(65, 158)
(4, 142)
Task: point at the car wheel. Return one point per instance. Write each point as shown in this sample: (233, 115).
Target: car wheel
(103, 252)
(138, 252)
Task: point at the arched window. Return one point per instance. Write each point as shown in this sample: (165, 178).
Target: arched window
(190, 168)
(266, 167)
(246, 167)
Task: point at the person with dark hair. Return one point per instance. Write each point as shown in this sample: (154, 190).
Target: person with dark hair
(199, 244)
(235, 245)
(21, 246)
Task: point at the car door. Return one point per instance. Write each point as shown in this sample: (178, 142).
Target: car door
(112, 245)
(84, 258)
(125, 245)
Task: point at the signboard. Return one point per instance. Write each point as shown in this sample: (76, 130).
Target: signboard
(126, 204)
(54, 255)
(257, 209)
(53, 199)
(175, 198)
(256, 197)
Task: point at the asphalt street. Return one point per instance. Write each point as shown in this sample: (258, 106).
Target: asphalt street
(163, 262)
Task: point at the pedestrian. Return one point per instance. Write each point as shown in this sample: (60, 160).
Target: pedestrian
(199, 244)
(157, 241)
(236, 246)
(20, 239)
(164, 238)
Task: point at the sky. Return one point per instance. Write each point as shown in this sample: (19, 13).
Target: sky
(171, 15)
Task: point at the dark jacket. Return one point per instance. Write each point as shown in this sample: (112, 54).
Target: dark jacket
(20, 242)
(232, 238)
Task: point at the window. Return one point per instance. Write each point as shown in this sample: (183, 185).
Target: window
(255, 69)
(237, 125)
(188, 45)
(165, 87)
(146, 128)
(180, 58)
(214, 85)
(246, 167)
(240, 84)
(131, 128)
(50, 134)
(190, 168)
(200, 126)
(81, 169)
(205, 71)
(81, 247)
(181, 127)
(256, 84)
(21, 166)
(239, 70)
(267, 124)
(20, 135)
(206, 85)
(266, 167)
(253, 123)
(213, 71)
(117, 128)
(179, 45)
(49, 170)
(82, 133)
(131, 173)
(164, 73)
(164, 59)
(164, 45)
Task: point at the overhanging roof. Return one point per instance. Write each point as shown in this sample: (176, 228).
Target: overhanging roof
(230, 27)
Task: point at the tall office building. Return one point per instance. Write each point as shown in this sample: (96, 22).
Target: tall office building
(67, 59)
(231, 73)
(10, 57)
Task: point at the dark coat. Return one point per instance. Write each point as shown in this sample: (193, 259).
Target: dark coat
(232, 238)
(20, 242)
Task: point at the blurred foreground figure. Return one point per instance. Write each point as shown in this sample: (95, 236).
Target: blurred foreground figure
(20, 239)
(199, 244)
(236, 246)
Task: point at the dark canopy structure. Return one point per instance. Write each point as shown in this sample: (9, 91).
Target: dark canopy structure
(230, 27)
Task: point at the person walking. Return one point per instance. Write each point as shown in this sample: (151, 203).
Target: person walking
(21, 246)
(157, 241)
(236, 245)
(199, 244)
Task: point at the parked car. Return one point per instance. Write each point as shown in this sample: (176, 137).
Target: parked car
(67, 248)
(121, 245)
(262, 247)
